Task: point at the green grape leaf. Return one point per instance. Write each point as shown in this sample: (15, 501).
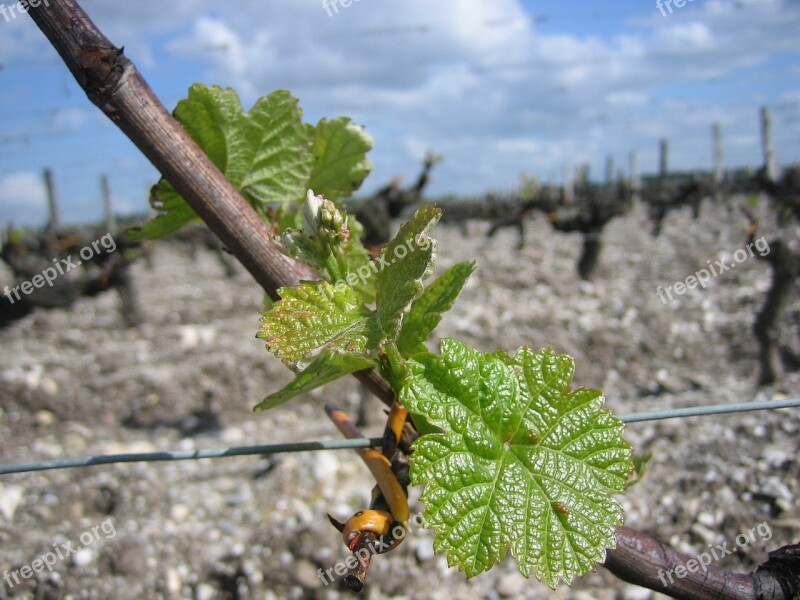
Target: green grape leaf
(405, 262)
(288, 216)
(427, 310)
(394, 369)
(340, 162)
(640, 464)
(315, 316)
(265, 153)
(523, 461)
(359, 261)
(174, 214)
(326, 367)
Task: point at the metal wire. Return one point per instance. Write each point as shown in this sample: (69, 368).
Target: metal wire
(714, 409)
(171, 455)
(68, 463)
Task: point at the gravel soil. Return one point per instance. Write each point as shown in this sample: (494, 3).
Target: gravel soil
(76, 382)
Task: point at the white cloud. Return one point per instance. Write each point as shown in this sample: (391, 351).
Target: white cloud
(23, 199)
(684, 39)
(627, 98)
(212, 38)
(69, 119)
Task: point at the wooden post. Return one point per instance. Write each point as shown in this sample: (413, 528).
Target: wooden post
(716, 140)
(636, 178)
(609, 168)
(569, 185)
(767, 146)
(52, 200)
(584, 172)
(663, 154)
(108, 209)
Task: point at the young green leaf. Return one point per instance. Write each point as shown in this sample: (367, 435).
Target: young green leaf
(640, 464)
(427, 310)
(324, 239)
(174, 213)
(316, 316)
(340, 162)
(329, 240)
(405, 262)
(358, 261)
(326, 367)
(265, 153)
(522, 461)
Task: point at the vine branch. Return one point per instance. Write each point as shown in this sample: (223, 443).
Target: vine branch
(113, 83)
(643, 560)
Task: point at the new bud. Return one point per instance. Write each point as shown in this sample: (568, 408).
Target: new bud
(311, 210)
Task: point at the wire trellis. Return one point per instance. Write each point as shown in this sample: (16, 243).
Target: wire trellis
(348, 444)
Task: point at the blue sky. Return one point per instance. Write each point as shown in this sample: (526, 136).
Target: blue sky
(497, 88)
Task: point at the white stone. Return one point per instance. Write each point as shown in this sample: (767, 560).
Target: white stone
(306, 574)
(511, 585)
(707, 519)
(205, 592)
(174, 582)
(776, 488)
(423, 547)
(83, 557)
(10, 499)
(635, 592)
(179, 512)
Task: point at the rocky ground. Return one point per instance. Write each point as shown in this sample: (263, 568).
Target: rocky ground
(76, 382)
